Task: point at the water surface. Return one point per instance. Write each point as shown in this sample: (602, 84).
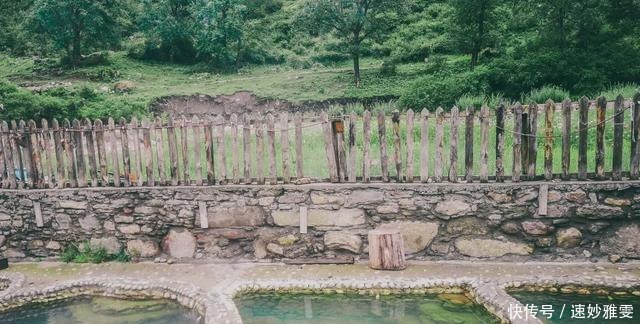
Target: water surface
(353, 308)
(100, 310)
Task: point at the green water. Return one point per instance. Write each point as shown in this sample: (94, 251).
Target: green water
(101, 311)
(573, 304)
(349, 308)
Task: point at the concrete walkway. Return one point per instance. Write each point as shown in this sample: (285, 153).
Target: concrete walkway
(214, 285)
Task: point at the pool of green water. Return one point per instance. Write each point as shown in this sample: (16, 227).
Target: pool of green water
(353, 308)
(100, 310)
(584, 309)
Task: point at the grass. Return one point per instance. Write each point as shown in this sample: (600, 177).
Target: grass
(91, 254)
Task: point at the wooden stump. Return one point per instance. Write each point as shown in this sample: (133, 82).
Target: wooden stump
(386, 250)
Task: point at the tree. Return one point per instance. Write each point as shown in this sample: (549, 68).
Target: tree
(222, 30)
(11, 31)
(474, 19)
(353, 21)
(75, 25)
(168, 29)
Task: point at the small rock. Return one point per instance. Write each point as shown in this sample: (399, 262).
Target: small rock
(275, 249)
(619, 202)
(452, 207)
(568, 237)
(536, 228)
(614, 258)
(510, 228)
(287, 240)
(160, 260)
(338, 240)
(586, 253)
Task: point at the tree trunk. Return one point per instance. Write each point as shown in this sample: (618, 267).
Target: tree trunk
(386, 250)
(356, 58)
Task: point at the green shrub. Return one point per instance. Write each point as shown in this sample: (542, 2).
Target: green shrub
(388, 68)
(437, 90)
(477, 101)
(627, 90)
(89, 254)
(545, 93)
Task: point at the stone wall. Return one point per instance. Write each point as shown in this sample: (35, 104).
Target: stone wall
(438, 221)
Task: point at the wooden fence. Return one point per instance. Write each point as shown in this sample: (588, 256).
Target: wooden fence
(195, 151)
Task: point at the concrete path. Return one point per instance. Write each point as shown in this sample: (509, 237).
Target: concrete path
(214, 285)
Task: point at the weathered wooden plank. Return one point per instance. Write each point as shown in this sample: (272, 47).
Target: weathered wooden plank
(409, 157)
(59, 149)
(4, 171)
(246, 145)
(196, 143)
(549, 109)
(566, 138)
(126, 155)
(601, 109)
(23, 156)
(468, 144)
(136, 140)
(113, 151)
(582, 142)
(46, 145)
(80, 154)
(36, 158)
(158, 138)
(147, 153)
(500, 143)
(299, 157)
(382, 138)
(516, 167)
(173, 151)
(635, 136)
(366, 143)
(329, 148)
(424, 145)
(184, 146)
(533, 141)
(352, 147)
(338, 144)
(235, 147)
(439, 158)
(209, 150)
(102, 152)
(284, 147)
(222, 155)
(524, 140)
(16, 139)
(271, 148)
(618, 129)
(69, 149)
(397, 160)
(8, 156)
(484, 144)
(259, 129)
(90, 151)
(453, 144)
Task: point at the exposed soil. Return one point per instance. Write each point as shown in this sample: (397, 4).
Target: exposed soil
(242, 102)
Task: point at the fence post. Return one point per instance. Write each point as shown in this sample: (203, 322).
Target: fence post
(618, 125)
(246, 146)
(484, 144)
(196, 140)
(468, 144)
(69, 149)
(47, 149)
(260, 149)
(438, 168)
(516, 168)
(284, 146)
(208, 144)
(566, 138)
(337, 127)
(532, 141)
(409, 158)
(36, 159)
(235, 147)
(329, 148)
(524, 141)
(222, 155)
(58, 147)
(601, 109)
(382, 138)
(271, 146)
(299, 157)
(395, 119)
(173, 151)
(549, 109)
(184, 145)
(352, 147)
(90, 140)
(366, 136)
(635, 136)
(582, 142)
(453, 154)
(424, 145)
(80, 153)
(115, 160)
(500, 143)
(102, 152)
(8, 156)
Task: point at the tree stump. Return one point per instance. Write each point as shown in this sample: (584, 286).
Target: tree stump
(386, 250)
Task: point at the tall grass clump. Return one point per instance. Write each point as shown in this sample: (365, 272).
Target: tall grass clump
(545, 93)
(627, 90)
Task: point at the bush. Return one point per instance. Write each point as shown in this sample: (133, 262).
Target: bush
(388, 68)
(22, 104)
(442, 90)
(627, 90)
(477, 101)
(89, 254)
(545, 93)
